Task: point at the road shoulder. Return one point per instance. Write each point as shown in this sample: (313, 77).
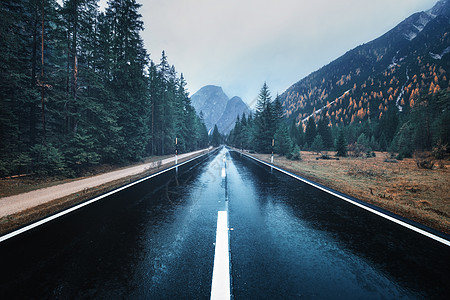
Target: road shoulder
(19, 210)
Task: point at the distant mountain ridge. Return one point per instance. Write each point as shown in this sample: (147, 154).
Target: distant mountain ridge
(211, 103)
(386, 74)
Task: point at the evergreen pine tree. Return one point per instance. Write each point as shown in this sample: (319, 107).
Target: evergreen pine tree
(294, 132)
(237, 132)
(310, 131)
(76, 89)
(283, 143)
(441, 124)
(278, 114)
(264, 124)
(364, 142)
(216, 139)
(129, 83)
(325, 132)
(317, 146)
(295, 153)
(341, 144)
(388, 126)
(245, 132)
(402, 142)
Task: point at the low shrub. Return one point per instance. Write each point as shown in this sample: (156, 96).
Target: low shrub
(47, 160)
(424, 160)
(294, 154)
(440, 150)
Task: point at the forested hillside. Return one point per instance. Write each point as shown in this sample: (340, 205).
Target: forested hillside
(78, 88)
(391, 89)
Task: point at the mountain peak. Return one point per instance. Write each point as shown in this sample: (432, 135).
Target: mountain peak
(235, 107)
(217, 109)
(414, 24)
(211, 88)
(441, 8)
(384, 76)
(236, 99)
(211, 101)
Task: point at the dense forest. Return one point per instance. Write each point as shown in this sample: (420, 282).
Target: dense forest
(266, 131)
(387, 74)
(425, 127)
(391, 94)
(78, 88)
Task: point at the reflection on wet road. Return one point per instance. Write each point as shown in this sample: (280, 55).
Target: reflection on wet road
(286, 240)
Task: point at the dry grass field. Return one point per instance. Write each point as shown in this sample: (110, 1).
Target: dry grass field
(397, 186)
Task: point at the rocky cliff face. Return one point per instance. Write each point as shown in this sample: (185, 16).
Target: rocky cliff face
(211, 103)
(235, 107)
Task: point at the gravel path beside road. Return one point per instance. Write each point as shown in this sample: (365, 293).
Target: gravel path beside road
(17, 203)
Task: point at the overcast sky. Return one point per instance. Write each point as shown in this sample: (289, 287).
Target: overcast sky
(240, 44)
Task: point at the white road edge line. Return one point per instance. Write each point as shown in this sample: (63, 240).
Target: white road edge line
(379, 213)
(69, 210)
(220, 288)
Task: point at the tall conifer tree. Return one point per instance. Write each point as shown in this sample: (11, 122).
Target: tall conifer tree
(264, 122)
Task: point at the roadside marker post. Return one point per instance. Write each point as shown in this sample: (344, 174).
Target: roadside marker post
(176, 150)
(273, 144)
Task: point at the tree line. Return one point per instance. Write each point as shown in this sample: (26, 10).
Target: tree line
(78, 88)
(425, 127)
(266, 131)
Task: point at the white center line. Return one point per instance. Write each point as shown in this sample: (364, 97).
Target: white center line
(220, 288)
(224, 174)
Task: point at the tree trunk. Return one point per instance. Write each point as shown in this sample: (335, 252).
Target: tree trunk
(42, 78)
(32, 116)
(75, 67)
(153, 124)
(66, 104)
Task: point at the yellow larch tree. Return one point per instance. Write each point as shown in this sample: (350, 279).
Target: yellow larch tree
(361, 113)
(431, 90)
(436, 89)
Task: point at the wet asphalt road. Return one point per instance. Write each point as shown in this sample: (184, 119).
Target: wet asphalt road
(156, 240)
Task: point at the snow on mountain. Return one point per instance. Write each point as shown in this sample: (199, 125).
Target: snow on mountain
(439, 56)
(379, 77)
(415, 24)
(442, 7)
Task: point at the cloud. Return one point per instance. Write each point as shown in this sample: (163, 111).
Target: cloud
(240, 44)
